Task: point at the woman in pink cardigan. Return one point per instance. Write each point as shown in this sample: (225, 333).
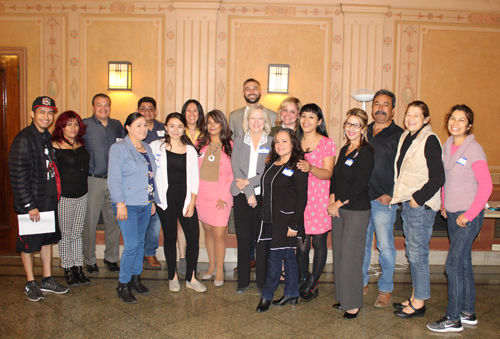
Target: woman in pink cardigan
(466, 191)
(214, 198)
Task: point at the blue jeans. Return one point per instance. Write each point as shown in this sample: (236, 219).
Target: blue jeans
(152, 236)
(461, 285)
(382, 222)
(417, 228)
(274, 272)
(133, 233)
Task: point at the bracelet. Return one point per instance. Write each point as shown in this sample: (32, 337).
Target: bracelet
(124, 204)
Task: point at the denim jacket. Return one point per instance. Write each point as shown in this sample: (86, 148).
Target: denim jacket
(128, 173)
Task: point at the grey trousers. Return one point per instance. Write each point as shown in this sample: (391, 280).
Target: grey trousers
(98, 200)
(349, 238)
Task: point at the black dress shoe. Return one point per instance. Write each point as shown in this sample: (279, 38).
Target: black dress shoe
(93, 269)
(400, 306)
(284, 300)
(112, 266)
(417, 312)
(70, 278)
(350, 315)
(263, 305)
(337, 306)
(125, 294)
(136, 284)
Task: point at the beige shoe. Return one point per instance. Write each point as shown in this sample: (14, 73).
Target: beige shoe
(197, 286)
(383, 300)
(174, 286)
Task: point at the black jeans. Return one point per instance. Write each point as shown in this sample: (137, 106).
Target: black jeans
(246, 221)
(191, 230)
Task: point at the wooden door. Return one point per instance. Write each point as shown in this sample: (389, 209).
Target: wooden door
(10, 125)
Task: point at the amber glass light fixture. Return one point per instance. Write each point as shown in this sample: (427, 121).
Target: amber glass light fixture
(278, 78)
(120, 75)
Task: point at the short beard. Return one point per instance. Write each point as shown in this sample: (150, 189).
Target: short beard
(257, 99)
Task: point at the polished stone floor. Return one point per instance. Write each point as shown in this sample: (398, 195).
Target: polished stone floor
(95, 311)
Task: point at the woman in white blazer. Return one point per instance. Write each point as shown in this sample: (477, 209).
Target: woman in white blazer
(177, 176)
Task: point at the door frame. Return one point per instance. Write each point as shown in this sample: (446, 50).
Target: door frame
(23, 79)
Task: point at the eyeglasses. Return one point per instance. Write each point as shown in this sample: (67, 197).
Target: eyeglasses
(143, 110)
(356, 125)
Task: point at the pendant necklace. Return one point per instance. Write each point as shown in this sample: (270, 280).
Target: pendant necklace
(211, 158)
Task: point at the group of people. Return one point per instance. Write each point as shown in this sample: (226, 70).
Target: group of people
(278, 172)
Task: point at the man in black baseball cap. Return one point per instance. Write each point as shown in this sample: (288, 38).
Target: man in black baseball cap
(34, 181)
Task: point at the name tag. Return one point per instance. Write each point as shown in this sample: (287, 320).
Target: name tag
(118, 139)
(349, 162)
(288, 172)
(263, 150)
(160, 133)
(462, 161)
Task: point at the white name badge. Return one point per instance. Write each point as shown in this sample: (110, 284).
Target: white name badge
(288, 172)
(160, 133)
(263, 150)
(349, 162)
(462, 161)
(118, 139)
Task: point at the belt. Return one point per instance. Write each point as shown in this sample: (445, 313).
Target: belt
(101, 176)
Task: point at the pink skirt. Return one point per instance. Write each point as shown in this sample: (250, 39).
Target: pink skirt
(206, 205)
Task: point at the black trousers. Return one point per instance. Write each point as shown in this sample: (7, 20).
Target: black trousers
(262, 249)
(246, 221)
(191, 230)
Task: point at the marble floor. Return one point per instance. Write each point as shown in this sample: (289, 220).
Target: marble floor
(95, 311)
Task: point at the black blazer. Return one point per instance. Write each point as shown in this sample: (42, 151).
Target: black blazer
(289, 200)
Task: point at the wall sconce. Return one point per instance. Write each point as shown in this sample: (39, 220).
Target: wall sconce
(278, 78)
(119, 75)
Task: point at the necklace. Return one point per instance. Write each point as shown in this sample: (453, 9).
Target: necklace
(140, 147)
(72, 144)
(211, 158)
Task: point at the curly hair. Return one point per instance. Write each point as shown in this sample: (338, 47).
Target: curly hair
(224, 135)
(62, 122)
(297, 152)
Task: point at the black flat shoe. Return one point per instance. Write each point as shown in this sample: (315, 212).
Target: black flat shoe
(350, 315)
(112, 266)
(92, 269)
(418, 312)
(400, 306)
(337, 306)
(284, 300)
(263, 305)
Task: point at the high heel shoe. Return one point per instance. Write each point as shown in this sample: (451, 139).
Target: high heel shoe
(337, 306)
(208, 276)
(285, 300)
(350, 315)
(263, 305)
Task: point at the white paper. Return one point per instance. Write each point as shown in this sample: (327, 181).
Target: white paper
(47, 224)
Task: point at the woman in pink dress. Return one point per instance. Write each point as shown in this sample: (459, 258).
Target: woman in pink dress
(319, 160)
(214, 198)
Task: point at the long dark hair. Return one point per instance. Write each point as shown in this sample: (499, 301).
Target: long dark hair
(224, 136)
(130, 120)
(184, 138)
(297, 152)
(62, 122)
(200, 123)
(312, 108)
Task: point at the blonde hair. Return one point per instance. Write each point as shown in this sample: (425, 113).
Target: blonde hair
(267, 121)
(285, 103)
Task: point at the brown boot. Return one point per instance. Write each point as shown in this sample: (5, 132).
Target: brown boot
(152, 261)
(383, 300)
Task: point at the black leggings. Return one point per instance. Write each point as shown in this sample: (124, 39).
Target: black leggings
(191, 230)
(320, 252)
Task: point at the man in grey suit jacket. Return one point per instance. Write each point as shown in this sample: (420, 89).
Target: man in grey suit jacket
(251, 93)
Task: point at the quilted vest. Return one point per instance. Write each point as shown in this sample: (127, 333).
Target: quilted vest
(414, 172)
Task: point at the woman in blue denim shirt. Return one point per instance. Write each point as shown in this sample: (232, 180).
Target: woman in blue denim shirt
(131, 185)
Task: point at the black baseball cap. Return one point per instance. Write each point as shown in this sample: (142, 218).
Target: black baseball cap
(44, 102)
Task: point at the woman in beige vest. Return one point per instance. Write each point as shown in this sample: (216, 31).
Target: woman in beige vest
(418, 175)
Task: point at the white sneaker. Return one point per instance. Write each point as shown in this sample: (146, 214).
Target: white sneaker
(197, 286)
(469, 319)
(174, 286)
